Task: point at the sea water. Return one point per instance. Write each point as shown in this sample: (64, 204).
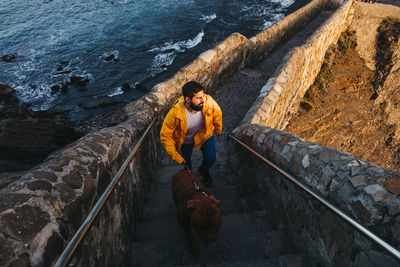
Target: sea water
(115, 45)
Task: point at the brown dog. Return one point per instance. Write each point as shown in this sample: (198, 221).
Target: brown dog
(196, 210)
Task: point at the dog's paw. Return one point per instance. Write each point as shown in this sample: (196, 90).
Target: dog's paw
(194, 247)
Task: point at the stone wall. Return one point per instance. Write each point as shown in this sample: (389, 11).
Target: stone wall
(366, 21)
(41, 211)
(281, 94)
(367, 193)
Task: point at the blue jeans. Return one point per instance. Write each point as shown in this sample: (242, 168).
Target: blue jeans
(208, 151)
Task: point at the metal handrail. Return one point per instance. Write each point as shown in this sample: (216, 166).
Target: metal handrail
(76, 239)
(371, 235)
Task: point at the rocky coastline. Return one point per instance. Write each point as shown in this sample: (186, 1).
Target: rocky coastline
(27, 137)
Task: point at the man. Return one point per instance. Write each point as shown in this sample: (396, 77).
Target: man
(191, 123)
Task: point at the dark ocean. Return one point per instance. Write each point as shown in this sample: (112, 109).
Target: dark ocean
(113, 49)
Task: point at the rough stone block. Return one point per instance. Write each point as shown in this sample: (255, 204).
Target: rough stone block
(361, 212)
(208, 56)
(24, 223)
(380, 259)
(40, 185)
(376, 191)
(334, 185)
(392, 185)
(342, 175)
(353, 163)
(67, 194)
(327, 156)
(45, 175)
(339, 164)
(393, 206)
(358, 180)
(286, 153)
(10, 200)
(305, 161)
(327, 175)
(73, 179)
(355, 170)
(345, 192)
(53, 249)
(374, 171)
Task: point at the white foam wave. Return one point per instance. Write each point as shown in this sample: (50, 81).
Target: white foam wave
(114, 53)
(117, 91)
(168, 47)
(40, 97)
(209, 18)
(168, 51)
(284, 3)
(161, 62)
(269, 23)
(194, 42)
(257, 11)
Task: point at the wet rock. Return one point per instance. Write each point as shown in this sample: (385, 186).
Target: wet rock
(55, 89)
(109, 57)
(167, 51)
(141, 87)
(79, 80)
(25, 223)
(126, 87)
(28, 137)
(11, 58)
(59, 68)
(7, 95)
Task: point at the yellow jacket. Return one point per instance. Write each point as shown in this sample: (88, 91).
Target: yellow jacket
(174, 128)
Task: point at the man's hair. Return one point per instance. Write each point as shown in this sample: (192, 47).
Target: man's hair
(191, 88)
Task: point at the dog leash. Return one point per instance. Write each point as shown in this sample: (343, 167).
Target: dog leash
(196, 185)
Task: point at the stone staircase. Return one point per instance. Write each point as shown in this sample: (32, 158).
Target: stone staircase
(247, 236)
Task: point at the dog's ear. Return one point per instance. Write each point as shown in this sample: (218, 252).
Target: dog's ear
(192, 204)
(214, 200)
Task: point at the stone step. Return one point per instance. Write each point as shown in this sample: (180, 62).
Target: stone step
(158, 212)
(282, 261)
(292, 260)
(259, 262)
(248, 204)
(233, 224)
(169, 252)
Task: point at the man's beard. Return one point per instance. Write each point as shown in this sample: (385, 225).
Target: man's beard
(194, 107)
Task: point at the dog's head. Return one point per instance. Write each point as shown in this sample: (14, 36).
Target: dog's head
(206, 219)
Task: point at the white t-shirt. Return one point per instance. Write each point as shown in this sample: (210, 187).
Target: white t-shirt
(195, 122)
